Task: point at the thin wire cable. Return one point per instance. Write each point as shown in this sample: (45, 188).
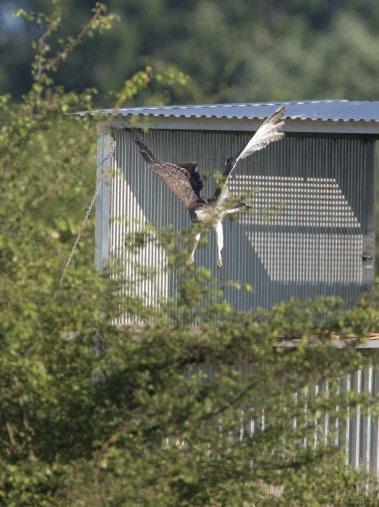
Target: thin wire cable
(86, 216)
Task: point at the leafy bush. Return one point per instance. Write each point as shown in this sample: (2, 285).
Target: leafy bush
(160, 414)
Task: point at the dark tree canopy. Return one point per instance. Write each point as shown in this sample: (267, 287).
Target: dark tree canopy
(233, 51)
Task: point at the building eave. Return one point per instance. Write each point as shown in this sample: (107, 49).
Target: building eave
(369, 128)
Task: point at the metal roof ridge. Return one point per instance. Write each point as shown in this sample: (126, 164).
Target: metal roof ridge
(242, 104)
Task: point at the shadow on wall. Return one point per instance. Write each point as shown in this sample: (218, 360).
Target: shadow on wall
(304, 237)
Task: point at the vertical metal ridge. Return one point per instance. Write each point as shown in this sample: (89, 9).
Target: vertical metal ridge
(102, 200)
(347, 423)
(375, 427)
(358, 423)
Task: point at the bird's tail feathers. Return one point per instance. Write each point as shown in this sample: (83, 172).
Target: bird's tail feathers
(144, 150)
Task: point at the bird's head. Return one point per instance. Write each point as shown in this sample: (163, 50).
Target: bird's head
(189, 166)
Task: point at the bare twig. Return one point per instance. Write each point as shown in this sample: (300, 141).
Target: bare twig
(62, 55)
(10, 432)
(27, 426)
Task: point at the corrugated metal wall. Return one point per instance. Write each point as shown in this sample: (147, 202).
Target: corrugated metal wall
(362, 429)
(305, 236)
(358, 434)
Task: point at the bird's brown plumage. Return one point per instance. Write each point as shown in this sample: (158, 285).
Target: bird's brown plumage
(184, 180)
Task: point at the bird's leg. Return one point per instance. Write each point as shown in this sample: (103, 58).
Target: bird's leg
(220, 242)
(196, 240)
(237, 208)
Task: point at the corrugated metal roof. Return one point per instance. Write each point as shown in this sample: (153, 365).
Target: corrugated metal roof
(311, 110)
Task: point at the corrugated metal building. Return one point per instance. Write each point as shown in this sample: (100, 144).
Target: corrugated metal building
(312, 232)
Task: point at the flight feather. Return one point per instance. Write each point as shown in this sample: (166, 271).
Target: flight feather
(182, 178)
(267, 133)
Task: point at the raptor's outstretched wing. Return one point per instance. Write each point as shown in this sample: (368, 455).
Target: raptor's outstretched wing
(182, 178)
(267, 133)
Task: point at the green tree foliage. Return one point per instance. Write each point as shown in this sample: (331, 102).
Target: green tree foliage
(158, 414)
(234, 51)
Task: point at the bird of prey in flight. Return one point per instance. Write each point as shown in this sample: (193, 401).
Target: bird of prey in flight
(184, 180)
